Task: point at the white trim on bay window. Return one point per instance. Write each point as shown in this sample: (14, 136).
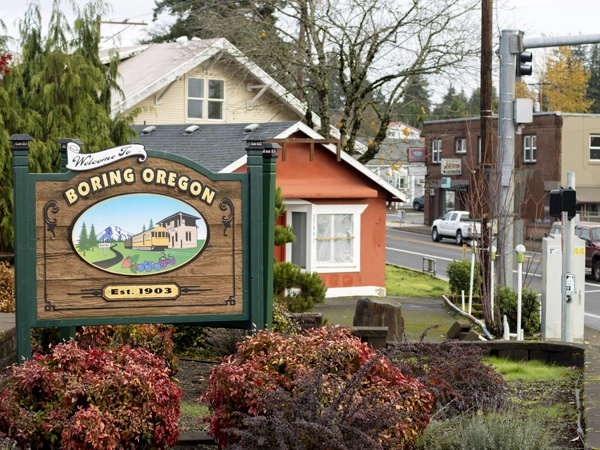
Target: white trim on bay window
(330, 239)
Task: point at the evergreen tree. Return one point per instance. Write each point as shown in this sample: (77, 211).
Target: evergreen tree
(593, 68)
(92, 239)
(474, 103)
(59, 88)
(283, 234)
(415, 103)
(453, 105)
(151, 224)
(84, 242)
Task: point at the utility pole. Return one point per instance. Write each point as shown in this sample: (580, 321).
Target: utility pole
(125, 22)
(512, 45)
(486, 133)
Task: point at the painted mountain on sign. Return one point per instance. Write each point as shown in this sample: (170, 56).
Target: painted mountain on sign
(113, 233)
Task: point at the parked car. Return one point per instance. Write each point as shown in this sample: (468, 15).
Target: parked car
(590, 233)
(456, 225)
(556, 227)
(419, 203)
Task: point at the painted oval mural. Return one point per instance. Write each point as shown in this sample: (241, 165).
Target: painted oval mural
(139, 234)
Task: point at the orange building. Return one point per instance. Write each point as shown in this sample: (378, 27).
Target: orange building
(336, 206)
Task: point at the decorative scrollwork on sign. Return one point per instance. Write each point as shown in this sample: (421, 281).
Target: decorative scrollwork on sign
(229, 222)
(50, 224)
(228, 219)
(51, 206)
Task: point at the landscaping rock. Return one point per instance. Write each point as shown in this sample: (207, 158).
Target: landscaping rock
(380, 313)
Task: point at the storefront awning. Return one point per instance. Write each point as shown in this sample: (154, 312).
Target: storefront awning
(588, 194)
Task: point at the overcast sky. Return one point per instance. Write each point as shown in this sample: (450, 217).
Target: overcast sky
(534, 17)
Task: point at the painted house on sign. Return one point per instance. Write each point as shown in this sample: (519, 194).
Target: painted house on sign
(182, 229)
(205, 98)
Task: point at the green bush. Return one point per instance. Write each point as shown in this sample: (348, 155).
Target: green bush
(459, 277)
(311, 375)
(530, 309)
(296, 289)
(73, 398)
(508, 430)
(191, 341)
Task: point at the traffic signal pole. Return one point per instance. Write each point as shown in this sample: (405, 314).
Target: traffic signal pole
(512, 44)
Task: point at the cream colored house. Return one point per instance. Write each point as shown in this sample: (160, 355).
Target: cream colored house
(581, 154)
(200, 82)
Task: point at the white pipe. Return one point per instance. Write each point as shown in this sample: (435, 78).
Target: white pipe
(471, 280)
(492, 293)
(519, 300)
(468, 316)
(463, 300)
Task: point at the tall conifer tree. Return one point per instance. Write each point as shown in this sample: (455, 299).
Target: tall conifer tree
(59, 88)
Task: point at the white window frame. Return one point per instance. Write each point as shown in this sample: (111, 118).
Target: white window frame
(595, 148)
(312, 211)
(460, 146)
(530, 148)
(436, 151)
(206, 99)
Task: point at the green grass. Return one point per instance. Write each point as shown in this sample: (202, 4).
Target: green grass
(191, 415)
(401, 282)
(409, 284)
(529, 370)
(194, 409)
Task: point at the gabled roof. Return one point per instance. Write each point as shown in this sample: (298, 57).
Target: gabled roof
(221, 147)
(215, 146)
(149, 68)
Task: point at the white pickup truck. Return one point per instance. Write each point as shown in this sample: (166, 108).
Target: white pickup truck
(456, 225)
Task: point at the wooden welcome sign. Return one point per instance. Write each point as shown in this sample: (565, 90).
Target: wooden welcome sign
(129, 236)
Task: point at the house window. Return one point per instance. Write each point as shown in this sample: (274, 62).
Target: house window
(216, 98)
(335, 239)
(529, 148)
(327, 236)
(206, 98)
(595, 147)
(436, 151)
(460, 146)
(195, 98)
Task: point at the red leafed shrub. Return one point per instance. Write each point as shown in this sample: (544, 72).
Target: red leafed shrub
(4, 62)
(156, 338)
(73, 398)
(332, 380)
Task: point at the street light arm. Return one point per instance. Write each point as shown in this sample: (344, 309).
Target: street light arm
(557, 41)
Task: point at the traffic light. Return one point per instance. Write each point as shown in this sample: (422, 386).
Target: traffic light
(523, 66)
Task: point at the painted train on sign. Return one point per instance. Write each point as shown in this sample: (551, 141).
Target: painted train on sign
(156, 239)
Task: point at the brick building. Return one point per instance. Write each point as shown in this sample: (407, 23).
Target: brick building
(545, 150)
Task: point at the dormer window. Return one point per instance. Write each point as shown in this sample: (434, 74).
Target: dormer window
(205, 98)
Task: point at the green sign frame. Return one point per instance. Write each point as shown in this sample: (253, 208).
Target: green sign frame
(236, 209)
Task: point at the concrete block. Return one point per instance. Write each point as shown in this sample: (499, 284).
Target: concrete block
(458, 327)
(376, 337)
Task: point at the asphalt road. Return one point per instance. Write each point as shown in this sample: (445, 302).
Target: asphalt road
(408, 249)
